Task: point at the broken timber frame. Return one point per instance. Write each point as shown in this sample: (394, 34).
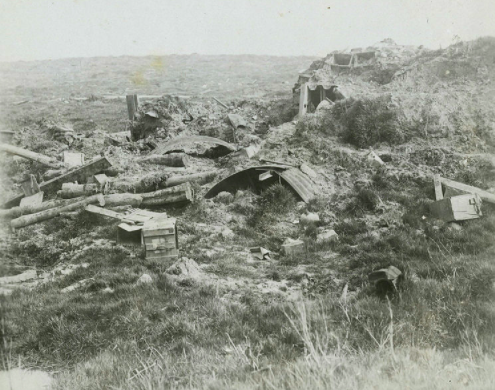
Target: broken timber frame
(76, 174)
(467, 189)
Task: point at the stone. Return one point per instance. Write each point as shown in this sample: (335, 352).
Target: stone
(144, 279)
(374, 160)
(309, 218)
(327, 235)
(76, 286)
(184, 267)
(227, 234)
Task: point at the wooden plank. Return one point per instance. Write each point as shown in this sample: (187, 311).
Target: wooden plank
(30, 186)
(465, 207)
(101, 211)
(457, 208)
(303, 100)
(438, 187)
(132, 105)
(265, 175)
(467, 189)
(72, 159)
(32, 200)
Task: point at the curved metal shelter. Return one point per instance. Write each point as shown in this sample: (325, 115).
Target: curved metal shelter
(261, 177)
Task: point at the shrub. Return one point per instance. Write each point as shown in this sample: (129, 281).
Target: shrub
(277, 199)
(366, 122)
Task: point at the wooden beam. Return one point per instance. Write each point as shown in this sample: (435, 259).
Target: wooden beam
(132, 105)
(467, 189)
(219, 102)
(438, 187)
(303, 100)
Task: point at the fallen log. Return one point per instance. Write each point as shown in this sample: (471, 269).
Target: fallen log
(170, 199)
(125, 199)
(184, 188)
(78, 174)
(160, 180)
(170, 160)
(42, 159)
(31, 219)
(149, 182)
(72, 190)
(17, 211)
(199, 178)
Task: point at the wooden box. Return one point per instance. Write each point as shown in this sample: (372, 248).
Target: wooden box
(159, 238)
(457, 208)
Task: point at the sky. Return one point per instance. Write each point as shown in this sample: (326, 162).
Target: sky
(53, 29)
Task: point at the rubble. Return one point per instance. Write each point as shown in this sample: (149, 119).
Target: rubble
(292, 247)
(170, 160)
(326, 236)
(260, 253)
(309, 218)
(75, 174)
(197, 146)
(386, 279)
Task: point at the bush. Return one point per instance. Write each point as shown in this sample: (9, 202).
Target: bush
(366, 122)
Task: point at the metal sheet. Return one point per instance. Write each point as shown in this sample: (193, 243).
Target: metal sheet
(299, 182)
(249, 178)
(176, 143)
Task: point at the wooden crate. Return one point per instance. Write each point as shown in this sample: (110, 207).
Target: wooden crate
(457, 208)
(159, 238)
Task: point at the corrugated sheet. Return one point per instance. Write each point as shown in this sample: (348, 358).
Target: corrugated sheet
(249, 177)
(299, 182)
(173, 144)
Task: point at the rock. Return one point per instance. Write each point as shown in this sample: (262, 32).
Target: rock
(309, 218)
(77, 285)
(455, 226)
(184, 267)
(227, 234)
(324, 105)
(108, 290)
(374, 160)
(327, 235)
(144, 279)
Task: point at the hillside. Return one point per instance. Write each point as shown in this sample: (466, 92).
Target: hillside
(223, 317)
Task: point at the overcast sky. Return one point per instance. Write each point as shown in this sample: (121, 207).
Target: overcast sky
(51, 29)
